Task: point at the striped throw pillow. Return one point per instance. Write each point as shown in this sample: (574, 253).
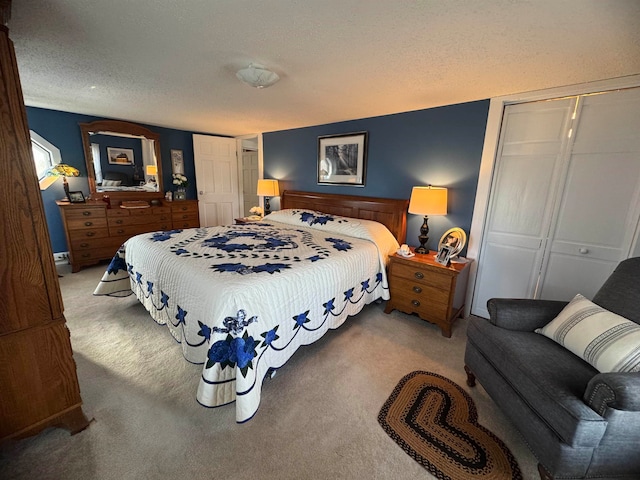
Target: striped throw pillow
(607, 341)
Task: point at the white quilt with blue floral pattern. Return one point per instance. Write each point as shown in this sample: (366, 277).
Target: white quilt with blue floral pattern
(241, 299)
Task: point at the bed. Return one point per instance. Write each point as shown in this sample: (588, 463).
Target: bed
(242, 299)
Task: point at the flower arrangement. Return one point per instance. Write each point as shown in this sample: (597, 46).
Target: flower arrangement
(256, 211)
(180, 180)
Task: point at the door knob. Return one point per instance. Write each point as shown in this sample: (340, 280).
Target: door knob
(200, 192)
(583, 250)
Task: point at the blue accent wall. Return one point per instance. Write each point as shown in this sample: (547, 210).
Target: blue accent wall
(62, 130)
(438, 146)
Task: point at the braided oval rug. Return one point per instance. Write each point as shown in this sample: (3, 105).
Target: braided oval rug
(435, 421)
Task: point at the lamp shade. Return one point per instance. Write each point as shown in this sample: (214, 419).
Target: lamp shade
(268, 188)
(257, 76)
(64, 170)
(428, 201)
(152, 170)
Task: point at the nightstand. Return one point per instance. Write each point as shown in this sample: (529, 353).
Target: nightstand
(422, 286)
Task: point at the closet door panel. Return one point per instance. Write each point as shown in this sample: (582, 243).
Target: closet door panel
(599, 207)
(527, 173)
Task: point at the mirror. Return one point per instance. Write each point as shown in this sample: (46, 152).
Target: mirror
(123, 159)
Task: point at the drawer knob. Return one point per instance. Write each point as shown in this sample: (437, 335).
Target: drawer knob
(184, 209)
(86, 255)
(90, 234)
(86, 213)
(417, 289)
(119, 222)
(419, 275)
(120, 231)
(185, 216)
(415, 303)
(583, 250)
(88, 224)
(84, 244)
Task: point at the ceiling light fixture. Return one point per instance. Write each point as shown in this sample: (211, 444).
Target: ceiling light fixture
(257, 76)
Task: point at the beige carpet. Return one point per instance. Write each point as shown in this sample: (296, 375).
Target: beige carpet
(317, 419)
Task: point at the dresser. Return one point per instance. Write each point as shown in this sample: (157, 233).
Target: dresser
(422, 286)
(38, 380)
(95, 232)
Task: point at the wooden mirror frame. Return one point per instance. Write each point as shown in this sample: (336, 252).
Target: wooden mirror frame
(118, 126)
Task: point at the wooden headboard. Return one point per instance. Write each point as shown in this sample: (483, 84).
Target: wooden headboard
(392, 213)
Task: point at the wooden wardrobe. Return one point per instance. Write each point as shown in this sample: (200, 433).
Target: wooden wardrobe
(38, 380)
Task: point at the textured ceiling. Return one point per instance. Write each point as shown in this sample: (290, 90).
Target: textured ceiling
(173, 63)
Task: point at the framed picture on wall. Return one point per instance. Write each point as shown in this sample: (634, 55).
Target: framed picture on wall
(177, 163)
(342, 159)
(120, 156)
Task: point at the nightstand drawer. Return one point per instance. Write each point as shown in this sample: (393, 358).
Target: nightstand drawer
(420, 304)
(421, 275)
(421, 292)
(434, 292)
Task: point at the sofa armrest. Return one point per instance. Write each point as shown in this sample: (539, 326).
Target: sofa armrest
(523, 314)
(619, 390)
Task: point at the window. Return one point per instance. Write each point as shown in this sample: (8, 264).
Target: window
(45, 154)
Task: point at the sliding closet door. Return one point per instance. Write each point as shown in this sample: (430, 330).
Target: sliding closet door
(528, 168)
(565, 199)
(598, 208)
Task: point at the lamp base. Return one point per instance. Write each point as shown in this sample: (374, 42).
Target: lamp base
(423, 238)
(267, 207)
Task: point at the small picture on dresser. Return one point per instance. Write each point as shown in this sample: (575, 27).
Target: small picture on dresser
(76, 197)
(444, 255)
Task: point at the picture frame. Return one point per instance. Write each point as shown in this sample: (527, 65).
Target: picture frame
(444, 255)
(342, 159)
(456, 238)
(177, 161)
(76, 197)
(120, 156)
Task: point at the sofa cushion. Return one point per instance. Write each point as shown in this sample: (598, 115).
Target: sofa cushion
(607, 341)
(548, 377)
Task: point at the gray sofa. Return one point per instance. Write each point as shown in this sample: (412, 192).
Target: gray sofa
(578, 422)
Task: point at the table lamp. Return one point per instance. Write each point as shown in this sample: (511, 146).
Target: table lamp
(63, 170)
(268, 188)
(152, 171)
(427, 201)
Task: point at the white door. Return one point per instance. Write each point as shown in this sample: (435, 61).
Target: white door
(216, 179)
(558, 224)
(528, 167)
(250, 175)
(598, 209)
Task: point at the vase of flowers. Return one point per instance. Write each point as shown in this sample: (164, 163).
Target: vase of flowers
(181, 183)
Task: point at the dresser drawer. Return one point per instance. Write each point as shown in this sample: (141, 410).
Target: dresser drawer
(182, 217)
(87, 233)
(83, 223)
(138, 220)
(131, 230)
(186, 223)
(184, 207)
(92, 255)
(84, 212)
(95, 243)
